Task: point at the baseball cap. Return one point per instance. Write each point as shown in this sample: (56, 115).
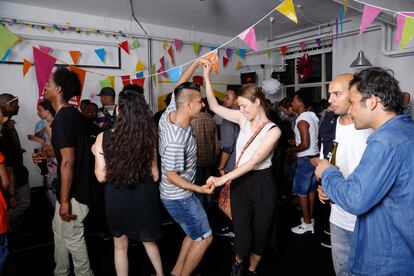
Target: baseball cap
(107, 91)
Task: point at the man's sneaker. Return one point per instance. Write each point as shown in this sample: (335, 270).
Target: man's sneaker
(303, 228)
(251, 273)
(326, 244)
(327, 232)
(236, 269)
(312, 220)
(225, 232)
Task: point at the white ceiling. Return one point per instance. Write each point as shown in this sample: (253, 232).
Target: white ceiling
(222, 17)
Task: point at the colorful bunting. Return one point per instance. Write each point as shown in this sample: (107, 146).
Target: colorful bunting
(213, 57)
(105, 83)
(196, 48)
(139, 66)
(283, 50)
(164, 45)
(6, 55)
(240, 52)
(44, 65)
(82, 74)
(318, 42)
(287, 9)
(238, 65)
(368, 16)
(161, 70)
(175, 74)
(75, 56)
(171, 53)
(178, 44)
(225, 61)
(269, 53)
(229, 51)
(26, 66)
(302, 45)
(341, 17)
(112, 80)
(212, 48)
(7, 41)
(249, 37)
(140, 75)
(408, 32)
(135, 44)
(345, 6)
(124, 46)
(126, 80)
(400, 25)
(153, 72)
(101, 54)
(139, 82)
(45, 49)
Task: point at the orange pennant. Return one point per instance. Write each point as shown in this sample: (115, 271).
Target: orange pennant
(170, 52)
(26, 66)
(213, 57)
(75, 56)
(82, 74)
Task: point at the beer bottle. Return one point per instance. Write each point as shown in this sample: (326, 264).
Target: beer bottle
(332, 158)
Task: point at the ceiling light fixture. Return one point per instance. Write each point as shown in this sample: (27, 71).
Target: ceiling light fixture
(361, 61)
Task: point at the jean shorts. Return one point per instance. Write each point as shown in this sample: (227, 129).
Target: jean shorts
(190, 214)
(305, 179)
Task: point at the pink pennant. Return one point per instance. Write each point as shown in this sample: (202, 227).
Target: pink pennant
(400, 25)
(162, 68)
(302, 45)
(44, 65)
(45, 49)
(126, 80)
(369, 15)
(124, 46)
(178, 44)
(249, 37)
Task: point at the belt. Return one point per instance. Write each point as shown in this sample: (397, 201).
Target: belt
(312, 156)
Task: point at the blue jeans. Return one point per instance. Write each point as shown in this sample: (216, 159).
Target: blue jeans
(341, 240)
(190, 214)
(4, 251)
(305, 180)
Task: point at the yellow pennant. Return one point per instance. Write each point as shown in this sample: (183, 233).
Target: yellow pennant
(288, 9)
(140, 65)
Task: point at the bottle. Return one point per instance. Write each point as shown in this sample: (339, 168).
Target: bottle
(332, 158)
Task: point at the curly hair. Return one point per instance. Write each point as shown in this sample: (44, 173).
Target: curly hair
(130, 150)
(68, 81)
(376, 81)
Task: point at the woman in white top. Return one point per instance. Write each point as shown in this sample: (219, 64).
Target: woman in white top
(252, 190)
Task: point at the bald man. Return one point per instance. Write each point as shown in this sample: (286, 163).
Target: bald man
(351, 146)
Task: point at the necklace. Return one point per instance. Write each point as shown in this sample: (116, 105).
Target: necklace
(60, 107)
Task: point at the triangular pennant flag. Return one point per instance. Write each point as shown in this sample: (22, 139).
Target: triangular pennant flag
(178, 44)
(105, 83)
(238, 65)
(164, 45)
(26, 66)
(368, 16)
(81, 74)
(212, 48)
(341, 17)
(408, 32)
(400, 25)
(112, 80)
(140, 75)
(318, 42)
(135, 44)
(101, 54)
(225, 61)
(44, 65)
(199, 80)
(140, 66)
(213, 57)
(139, 82)
(249, 37)
(124, 46)
(45, 49)
(75, 56)
(345, 6)
(240, 52)
(7, 41)
(161, 70)
(283, 50)
(153, 73)
(287, 9)
(171, 53)
(302, 45)
(229, 51)
(175, 74)
(196, 48)
(6, 55)
(336, 28)
(269, 53)
(126, 80)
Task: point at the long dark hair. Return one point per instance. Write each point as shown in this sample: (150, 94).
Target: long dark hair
(130, 151)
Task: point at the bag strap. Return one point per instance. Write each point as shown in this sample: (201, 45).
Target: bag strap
(255, 133)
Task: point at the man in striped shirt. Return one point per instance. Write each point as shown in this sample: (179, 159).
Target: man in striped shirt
(178, 151)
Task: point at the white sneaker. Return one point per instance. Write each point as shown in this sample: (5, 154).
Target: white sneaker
(312, 220)
(303, 228)
(327, 232)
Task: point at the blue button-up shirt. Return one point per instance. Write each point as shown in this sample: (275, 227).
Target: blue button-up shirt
(380, 192)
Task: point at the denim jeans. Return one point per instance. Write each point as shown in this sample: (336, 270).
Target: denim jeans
(4, 251)
(341, 240)
(304, 180)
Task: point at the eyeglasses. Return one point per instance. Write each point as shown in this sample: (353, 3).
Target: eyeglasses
(12, 100)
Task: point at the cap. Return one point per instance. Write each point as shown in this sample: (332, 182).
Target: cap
(107, 91)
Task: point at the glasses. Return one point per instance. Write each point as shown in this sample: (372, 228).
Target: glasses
(12, 100)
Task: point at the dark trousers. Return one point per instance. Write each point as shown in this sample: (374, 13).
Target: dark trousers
(253, 205)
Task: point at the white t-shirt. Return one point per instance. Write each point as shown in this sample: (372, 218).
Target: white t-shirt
(313, 122)
(244, 135)
(351, 146)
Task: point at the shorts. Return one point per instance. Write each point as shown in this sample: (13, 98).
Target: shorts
(190, 214)
(305, 179)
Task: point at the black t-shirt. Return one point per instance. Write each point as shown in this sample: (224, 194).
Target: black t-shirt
(69, 130)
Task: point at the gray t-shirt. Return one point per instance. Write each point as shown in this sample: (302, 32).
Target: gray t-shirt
(178, 151)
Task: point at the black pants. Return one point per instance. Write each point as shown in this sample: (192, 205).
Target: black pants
(253, 205)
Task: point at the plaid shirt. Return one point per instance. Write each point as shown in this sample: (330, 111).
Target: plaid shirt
(204, 129)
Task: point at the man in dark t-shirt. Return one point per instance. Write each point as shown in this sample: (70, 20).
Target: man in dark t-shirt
(70, 146)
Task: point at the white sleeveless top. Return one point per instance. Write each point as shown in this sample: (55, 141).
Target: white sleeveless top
(244, 136)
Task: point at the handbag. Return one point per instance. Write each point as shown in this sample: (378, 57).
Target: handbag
(224, 196)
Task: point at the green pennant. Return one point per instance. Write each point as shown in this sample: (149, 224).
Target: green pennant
(105, 83)
(196, 48)
(269, 53)
(7, 40)
(135, 44)
(153, 73)
(408, 32)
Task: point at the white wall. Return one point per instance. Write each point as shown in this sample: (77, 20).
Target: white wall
(26, 88)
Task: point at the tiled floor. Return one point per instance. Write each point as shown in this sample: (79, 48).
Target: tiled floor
(294, 254)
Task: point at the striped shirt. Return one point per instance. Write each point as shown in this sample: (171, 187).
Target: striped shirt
(178, 151)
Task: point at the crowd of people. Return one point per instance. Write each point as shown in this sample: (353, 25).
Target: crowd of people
(126, 166)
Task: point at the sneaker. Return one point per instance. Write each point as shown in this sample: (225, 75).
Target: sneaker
(303, 228)
(251, 273)
(327, 232)
(326, 244)
(236, 269)
(225, 232)
(312, 220)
